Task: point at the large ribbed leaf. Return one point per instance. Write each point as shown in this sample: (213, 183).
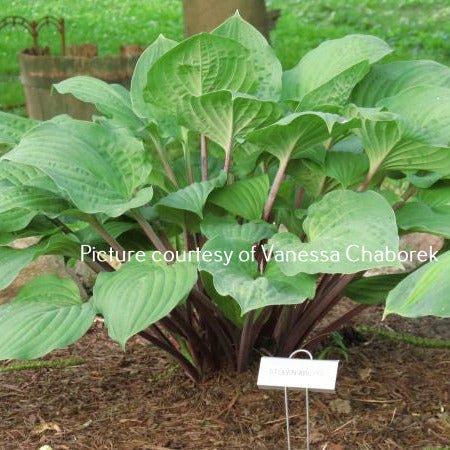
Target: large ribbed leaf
(436, 196)
(193, 197)
(387, 80)
(161, 46)
(141, 293)
(267, 66)
(424, 292)
(224, 117)
(339, 227)
(242, 281)
(416, 135)
(418, 216)
(346, 167)
(201, 64)
(297, 131)
(373, 290)
(99, 169)
(22, 198)
(112, 100)
(227, 227)
(245, 198)
(328, 74)
(13, 127)
(47, 314)
(15, 219)
(426, 110)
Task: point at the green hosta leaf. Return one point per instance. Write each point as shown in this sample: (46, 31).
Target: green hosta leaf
(227, 305)
(201, 64)
(427, 113)
(380, 138)
(193, 197)
(404, 140)
(38, 227)
(15, 219)
(418, 216)
(330, 72)
(47, 314)
(387, 80)
(100, 170)
(336, 91)
(214, 226)
(308, 174)
(423, 181)
(372, 290)
(242, 281)
(339, 227)
(31, 199)
(423, 292)
(161, 46)
(244, 198)
(296, 131)
(224, 117)
(24, 193)
(437, 196)
(347, 168)
(12, 261)
(112, 100)
(13, 127)
(267, 66)
(141, 293)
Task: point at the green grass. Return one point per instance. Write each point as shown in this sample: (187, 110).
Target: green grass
(416, 28)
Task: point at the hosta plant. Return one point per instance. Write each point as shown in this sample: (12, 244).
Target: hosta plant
(227, 206)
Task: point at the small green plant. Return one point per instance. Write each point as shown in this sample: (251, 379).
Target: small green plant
(225, 205)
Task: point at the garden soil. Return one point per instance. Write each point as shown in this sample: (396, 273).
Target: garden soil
(390, 395)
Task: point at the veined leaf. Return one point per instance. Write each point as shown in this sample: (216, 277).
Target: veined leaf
(335, 67)
(387, 80)
(47, 314)
(201, 64)
(335, 91)
(339, 227)
(436, 196)
(348, 168)
(13, 127)
(424, 292)
(141, 293)
(267, 66)
(13, 261)
(112, 100)
(214, 226)
(224, 117)
(373, 290)
(193, 197)
(418, 216)
(242, 281)
(297, 131)
(243, 198)
(139, 80)
(100, 170)
(426, 110)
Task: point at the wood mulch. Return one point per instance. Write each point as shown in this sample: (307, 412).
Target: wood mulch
(390, 395)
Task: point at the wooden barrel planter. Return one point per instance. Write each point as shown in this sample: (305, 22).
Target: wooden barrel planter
(39, 72)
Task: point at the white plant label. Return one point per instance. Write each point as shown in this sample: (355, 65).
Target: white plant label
(279, 373)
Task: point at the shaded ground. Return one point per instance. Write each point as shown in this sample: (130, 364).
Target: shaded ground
(389, 396)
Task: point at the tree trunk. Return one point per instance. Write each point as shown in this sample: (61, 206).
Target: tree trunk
(205, 15)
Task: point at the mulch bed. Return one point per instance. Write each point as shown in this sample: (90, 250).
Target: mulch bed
(390, 395)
